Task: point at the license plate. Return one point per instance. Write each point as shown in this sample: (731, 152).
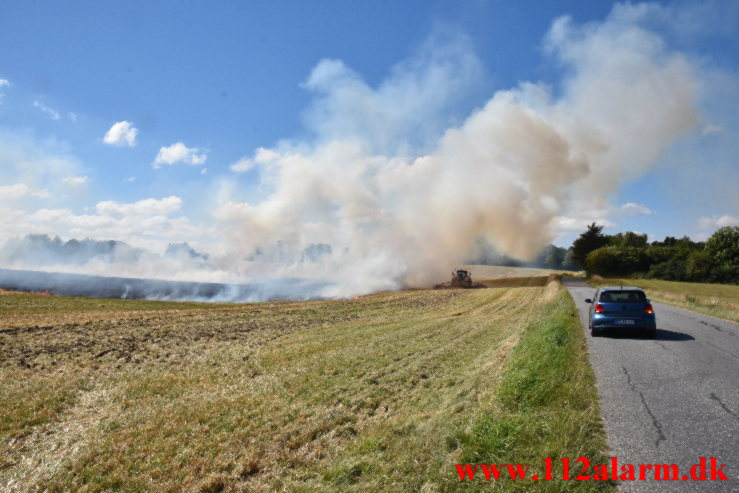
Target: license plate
(625, 322)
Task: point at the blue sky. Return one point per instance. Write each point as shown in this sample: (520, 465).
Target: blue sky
(197, 88)
(227, 77)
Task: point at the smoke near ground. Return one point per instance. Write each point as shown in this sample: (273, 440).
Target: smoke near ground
(169, 276)
(388, 190)
(504, 174)
(55, 283)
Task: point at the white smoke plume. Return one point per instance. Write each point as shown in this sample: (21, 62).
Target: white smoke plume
(391, 188)
(398, 217)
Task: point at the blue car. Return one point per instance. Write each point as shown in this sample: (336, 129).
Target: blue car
(621, 307)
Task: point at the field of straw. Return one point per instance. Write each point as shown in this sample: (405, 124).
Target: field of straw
(381, 393)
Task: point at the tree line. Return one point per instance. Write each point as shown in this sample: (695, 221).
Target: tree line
(630, 255)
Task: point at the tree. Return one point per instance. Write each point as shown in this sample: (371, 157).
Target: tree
(569, 262)
(723, 247)
(698, 266)
(617, 261)
(551, 257)
(628, 239)
(632, 239)
(554, 258)
(590, 240)
(668, 242)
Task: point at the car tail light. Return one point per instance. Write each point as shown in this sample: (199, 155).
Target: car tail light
(599, 308)
(648, 308)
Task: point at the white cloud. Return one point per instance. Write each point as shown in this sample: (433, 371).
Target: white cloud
(12, 192)
(66, 217)
(121, 134)
(579, 224)
(243, 165)
(634, 208)
(54, 114)
(179, 152)
(31, 169)
(716, 222)
(3, 83)
(76, 181)
(712, 129)
(265, 156)
(147, 224)
(159, 207)
(581, 214)
(37, 166)
(20, 190)
(261, 156)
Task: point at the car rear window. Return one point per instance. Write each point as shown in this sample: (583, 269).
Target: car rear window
(623, 297)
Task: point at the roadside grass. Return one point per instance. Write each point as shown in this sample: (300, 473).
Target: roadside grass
(716, 300)
(384, 393)
(546, 406)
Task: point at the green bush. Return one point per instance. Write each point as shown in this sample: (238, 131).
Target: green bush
(617, 261)
(671, 270)
(627, 254)
(723, 247)
(698, 266)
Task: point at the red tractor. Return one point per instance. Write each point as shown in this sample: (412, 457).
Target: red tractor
(460, 279)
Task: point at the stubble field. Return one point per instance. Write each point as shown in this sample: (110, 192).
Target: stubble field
(383, 393)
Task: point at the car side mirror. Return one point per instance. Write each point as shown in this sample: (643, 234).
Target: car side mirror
(588, 300)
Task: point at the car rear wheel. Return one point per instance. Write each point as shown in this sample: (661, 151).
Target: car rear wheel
(595, 332)
(651, 333)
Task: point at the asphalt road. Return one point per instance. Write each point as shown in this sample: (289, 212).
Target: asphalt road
(672, 399)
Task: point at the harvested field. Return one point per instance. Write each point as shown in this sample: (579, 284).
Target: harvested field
(369, 394)
(497, 271)
(517, 282)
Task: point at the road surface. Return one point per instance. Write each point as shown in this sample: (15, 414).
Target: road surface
(672, 399)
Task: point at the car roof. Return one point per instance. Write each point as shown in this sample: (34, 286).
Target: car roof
(620, 288)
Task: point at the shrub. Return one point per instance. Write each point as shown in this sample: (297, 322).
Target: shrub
(723, 247)
(617, 261)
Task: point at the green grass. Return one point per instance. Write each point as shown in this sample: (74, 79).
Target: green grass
(716, 300)
(546, 406)
(384, 393)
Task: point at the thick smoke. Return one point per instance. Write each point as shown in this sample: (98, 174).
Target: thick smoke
(56, 283)
(391, 188)
(503, 174)
(61, 259)
(88, 256)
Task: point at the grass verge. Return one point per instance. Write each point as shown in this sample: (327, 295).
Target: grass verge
(546, 406)
(716, 300)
